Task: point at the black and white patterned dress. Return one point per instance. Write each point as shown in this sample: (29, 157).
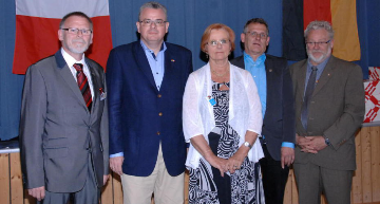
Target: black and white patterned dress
(206, 186)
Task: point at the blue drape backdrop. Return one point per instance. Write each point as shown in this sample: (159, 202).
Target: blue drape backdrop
(188, 19)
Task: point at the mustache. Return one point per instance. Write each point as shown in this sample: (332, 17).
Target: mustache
(78, 40)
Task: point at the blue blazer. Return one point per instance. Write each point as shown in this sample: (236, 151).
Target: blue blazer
(279, 119)
(141, 116)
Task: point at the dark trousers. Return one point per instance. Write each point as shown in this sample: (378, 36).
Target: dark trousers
(274, 178)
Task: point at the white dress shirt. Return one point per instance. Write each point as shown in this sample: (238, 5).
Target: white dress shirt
(70, 61)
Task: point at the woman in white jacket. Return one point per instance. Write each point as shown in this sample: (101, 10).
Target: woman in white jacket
(222, 119)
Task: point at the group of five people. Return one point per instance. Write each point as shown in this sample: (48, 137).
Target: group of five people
(247, 120)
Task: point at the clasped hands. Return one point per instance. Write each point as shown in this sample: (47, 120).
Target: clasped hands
(227, 165)
(310, 144)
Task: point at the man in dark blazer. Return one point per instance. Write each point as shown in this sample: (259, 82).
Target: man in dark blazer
(329, 99)
(271, 75)
(146, 81)
(63, 133)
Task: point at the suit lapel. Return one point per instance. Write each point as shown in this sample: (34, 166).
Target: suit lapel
(240, 62)
(143, 63)
(96, 85)
(66, 74)
(302, 78)
(169, 63)
(326, 75)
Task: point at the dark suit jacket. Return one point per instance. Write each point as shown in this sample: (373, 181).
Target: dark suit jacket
(278, 124)
(57, 132)
(336, 110)
(141, 116)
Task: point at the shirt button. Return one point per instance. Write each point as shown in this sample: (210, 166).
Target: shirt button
(160, 114)
(159, 95)
(158, 133)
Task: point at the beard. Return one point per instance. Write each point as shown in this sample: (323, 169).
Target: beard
(77, 49)
(324, 55)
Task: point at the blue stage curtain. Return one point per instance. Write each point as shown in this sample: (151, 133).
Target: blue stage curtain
(188, 19)
(10, 84)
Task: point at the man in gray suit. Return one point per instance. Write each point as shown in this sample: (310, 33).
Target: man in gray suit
(329, 99)
(64, 120)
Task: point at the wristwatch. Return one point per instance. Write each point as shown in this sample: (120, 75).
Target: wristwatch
(327, 141)
(247, 144)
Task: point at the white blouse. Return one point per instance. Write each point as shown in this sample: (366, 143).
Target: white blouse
(244, 110)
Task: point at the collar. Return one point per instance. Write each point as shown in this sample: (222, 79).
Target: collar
(163, 47)
(70, 61)
(260, 59)
(320, 66)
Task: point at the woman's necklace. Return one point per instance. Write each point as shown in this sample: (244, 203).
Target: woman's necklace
(220, 75)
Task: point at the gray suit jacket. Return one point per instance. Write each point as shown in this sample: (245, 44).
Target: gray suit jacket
(57, 132)
(336, 111)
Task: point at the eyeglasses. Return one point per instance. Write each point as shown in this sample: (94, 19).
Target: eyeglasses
(148, 22)
(255, 35)
(75, 31)
(214, 43)
(317, 43)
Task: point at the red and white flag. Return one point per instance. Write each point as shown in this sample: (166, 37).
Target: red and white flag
(37, 24)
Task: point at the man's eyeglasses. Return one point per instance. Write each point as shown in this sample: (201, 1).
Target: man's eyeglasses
(148, 22)
(75, 31)
(255, 35)
(317, 43)
(214, 43)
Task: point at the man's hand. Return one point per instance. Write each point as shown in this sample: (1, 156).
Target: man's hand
(287, 156)
(116, 164)
(312, 144)
(105, 179)
(38, 192)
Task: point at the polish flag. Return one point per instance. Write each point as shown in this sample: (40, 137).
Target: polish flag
(37, 24)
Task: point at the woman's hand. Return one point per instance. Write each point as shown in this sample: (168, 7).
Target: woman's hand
(236, 161)
(201, 145)
(219, 163)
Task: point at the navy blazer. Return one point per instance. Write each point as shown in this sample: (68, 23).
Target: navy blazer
(279, 119)
(141, 116)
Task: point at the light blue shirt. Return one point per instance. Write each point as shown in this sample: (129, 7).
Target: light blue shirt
(257, 70)
(156, 62)
(157, 65)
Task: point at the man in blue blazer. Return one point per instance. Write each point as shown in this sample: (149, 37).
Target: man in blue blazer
(146, 84)
(274, 84)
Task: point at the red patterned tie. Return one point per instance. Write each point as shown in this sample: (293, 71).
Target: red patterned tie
(83, 85)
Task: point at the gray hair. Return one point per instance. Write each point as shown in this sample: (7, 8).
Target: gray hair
(75, 13)
(153, 5)
(316, 25)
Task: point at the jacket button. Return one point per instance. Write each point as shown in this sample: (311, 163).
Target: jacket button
(158, 133)
(159, 95)
(160, 114)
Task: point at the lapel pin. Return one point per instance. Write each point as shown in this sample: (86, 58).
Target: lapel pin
(328, 74)
(270, 70)
(173, 60)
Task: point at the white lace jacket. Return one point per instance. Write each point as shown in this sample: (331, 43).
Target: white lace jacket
(244, 109)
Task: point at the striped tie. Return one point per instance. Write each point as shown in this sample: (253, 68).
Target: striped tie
(83, 85)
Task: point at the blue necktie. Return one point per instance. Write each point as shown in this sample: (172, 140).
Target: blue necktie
(308, 93)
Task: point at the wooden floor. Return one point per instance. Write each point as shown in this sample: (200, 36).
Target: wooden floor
(365, 188)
